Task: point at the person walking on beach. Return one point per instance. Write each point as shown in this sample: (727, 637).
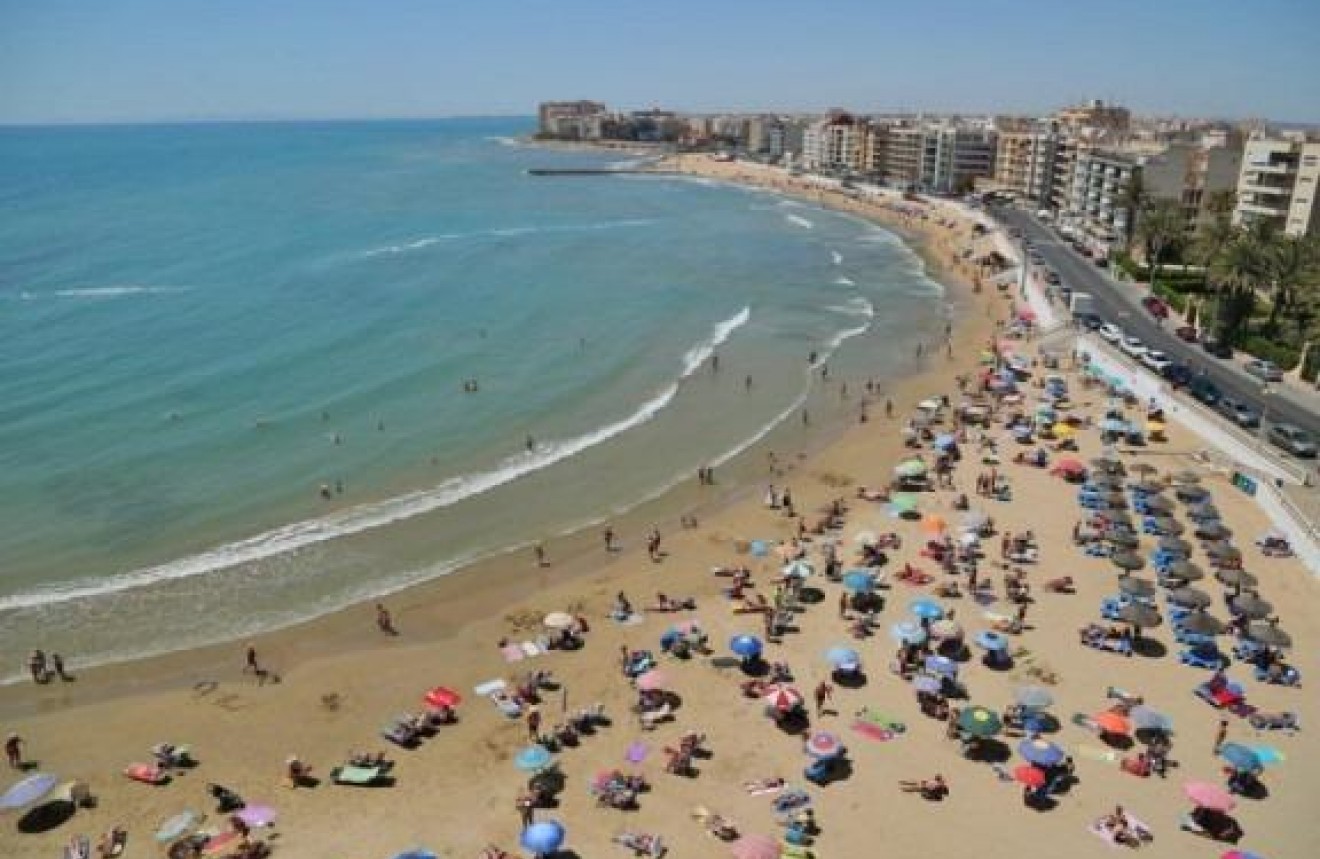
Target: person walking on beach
(383, 620)
(843, 606)
(37, 666)
(526, 806)
(823, 694)
(57, 667)
(539, 551)
(889, 408)
(252, 665)
(653, 545)
(533, 723)
(14, 751)
(1221, 734)
(609, 538)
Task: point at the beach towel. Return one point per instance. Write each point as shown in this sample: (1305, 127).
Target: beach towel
(489, 687)
(530, 648)
(873, 732)
(349, 774)
(633, 619)
(1094, 753)
(513, 653)
(145, 773)
(763, 789)
(637, 752)
(874, 717)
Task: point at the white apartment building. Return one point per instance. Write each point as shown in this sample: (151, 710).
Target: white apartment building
(1280, 183)
(1097, 198)
(1026, 155)
(833, 144)
(939, 158)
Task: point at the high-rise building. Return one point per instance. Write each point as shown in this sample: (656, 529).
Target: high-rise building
(944, 157)
(1280, 183)
(834, 143)
(1095, 114)
(570, 120)
(1026, 156)
(1098, 201)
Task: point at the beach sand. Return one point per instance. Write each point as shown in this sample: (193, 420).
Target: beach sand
(341, 680)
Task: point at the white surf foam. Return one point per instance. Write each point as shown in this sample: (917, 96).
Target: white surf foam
(837, 257)
(698, 355)
(846, 334)
(855, 307)
(843, 281)
(504, 232)
(112, 291)
(799, 221)
(353, 520)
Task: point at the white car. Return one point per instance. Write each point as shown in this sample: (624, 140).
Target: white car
(1132, 346)
(1111, 333)
(1156, 360)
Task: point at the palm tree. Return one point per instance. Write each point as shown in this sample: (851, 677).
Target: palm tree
(1241, 269)
(1160, 227)
(1292, 262)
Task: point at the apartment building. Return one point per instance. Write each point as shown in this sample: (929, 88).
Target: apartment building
(570, 120)
(1095, 114)
(1192, 174)
(945, 157)
(1026, 155)
(1097, 196)
(897, 154)
(834, 144)
(1280, 183)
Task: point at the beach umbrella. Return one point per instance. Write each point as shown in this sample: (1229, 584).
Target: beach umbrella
(1158, 504)
(1033, 697)
(1192, 494)
(1139, 615)
(1173, 545)
(991, 641)
(945, 628)
(1170, 526)
(1185, 570)
(443, 696)
(1268, 755)
(1240, 758)
(1110, 722)
(559, 620)
(177, 826)
(1186, 477)
(755, 847)
(945, 441)
(1221, 550)
(1122, 540)
(533, 758)
(653, 681)
(746, 646)
(1213, 530)
(1104, 480)
(1064, 430)
(798, 569)
(927, 609)
(1069, 465)
(1240, 854)
(223, 842)
(1148, 487)
(980, 721)
(1251, 606)
(783, 698)
(1188, 597)
(933, 524)
(759, 548)
(975, 520)
(907, 632)
(911, 468)
(257, 815)
(927, 683)
(866, 538)
(840, 656)
(1127, 561)
(1211, 796)
(1135, 587)
(1200, 623)
(1147, 719)
(1113, 425)
(1030, 776)
(1268, 634)
(542, 837)
(1237, 578)
(1204, 512)
(942, 665)
(28, 790)
(1143, 468)
(823, 744)
(1115, 499)
(1041, 752)
(903, 504)
(858, 581)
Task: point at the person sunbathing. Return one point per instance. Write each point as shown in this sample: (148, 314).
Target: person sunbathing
(1061, 585)
(494, 852)
(111, 843)
(296, 772)
(367, 759)
(931, 788)
(763, 784)
(1118, 827)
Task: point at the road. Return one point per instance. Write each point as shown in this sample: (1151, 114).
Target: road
(1118, 304)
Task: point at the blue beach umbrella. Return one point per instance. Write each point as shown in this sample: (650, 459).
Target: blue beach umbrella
(1041, 752)
(991, 640)
(28, 790)
(1268, 755)
(759, 548)
(1240, 758)
(533, 758)
(927, 609)
(907, 632)
(417, 854)
(1147, 719)
(927, 683)
(858, 581)
(942, 665)
(746, 646)
(1113, 425)
(840, 656)
(1033, 697)
(543, 837)
(946, 441)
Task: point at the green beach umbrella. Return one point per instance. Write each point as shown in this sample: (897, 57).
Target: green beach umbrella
(980, 721)
(903, 503)
(911, 468)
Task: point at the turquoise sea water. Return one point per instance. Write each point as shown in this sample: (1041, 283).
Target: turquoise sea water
(201, 326)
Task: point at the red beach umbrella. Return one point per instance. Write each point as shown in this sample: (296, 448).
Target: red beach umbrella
(1112, 723)
(653, 680)
(755, 847)
(784, 698)
(1029, 775)
(443, 696)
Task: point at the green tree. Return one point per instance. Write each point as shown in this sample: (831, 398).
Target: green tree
(1240, 269)
(1133, 199)
(1292, 264)
(1160, 228)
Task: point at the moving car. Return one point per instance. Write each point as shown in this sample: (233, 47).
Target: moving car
(1238, 412)
(1156, 360)
(1293, 439)
(1155, 307)
(1111, 332)
(1089, 321)
(1132, 346)
(1264, 370)
(1179, 375)
(1186, 333)
(1204, 390)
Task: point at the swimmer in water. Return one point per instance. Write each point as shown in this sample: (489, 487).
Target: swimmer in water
(530, 444)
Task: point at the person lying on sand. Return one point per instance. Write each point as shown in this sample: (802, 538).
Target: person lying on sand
(932, 788)
(763, 784)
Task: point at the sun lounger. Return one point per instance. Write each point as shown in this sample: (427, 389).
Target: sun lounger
(1289, 676)
(641, 844)
(400, 734)
(1286, 721)
(651, 718)
(357, 776)
(146, 773)
(505, 704)
(873, 717)
(1208, 658)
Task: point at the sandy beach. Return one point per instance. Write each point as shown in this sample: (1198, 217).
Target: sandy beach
(341, 679)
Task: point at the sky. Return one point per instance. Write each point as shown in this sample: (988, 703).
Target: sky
(163, 60)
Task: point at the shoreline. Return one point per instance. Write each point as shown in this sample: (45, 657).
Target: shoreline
(479, 588)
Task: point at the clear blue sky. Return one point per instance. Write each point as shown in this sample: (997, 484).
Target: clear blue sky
(95, 60)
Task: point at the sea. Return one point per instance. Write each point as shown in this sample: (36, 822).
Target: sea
(252, 373)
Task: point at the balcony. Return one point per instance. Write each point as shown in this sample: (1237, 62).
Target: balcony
(1257, 209)
(1272, 190)
(1266, 167)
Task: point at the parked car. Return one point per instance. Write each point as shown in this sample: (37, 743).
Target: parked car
(1293, 439)
(1264, 370)
(1111, 332)
(1204, 390)
(1218, 348)
(1179, 375)
(1133, 347)
(1186, 333)
(1089, 321)
(1155, 307)
(1053, 277)
(1156, 360)
(1238, 412)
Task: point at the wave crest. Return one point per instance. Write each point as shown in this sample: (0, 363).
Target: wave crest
(698, 355)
